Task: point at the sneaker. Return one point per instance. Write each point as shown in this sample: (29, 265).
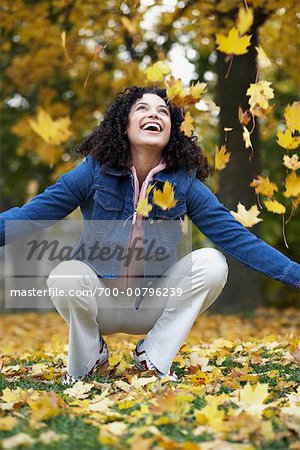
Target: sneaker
(143, 362)
(68, 379)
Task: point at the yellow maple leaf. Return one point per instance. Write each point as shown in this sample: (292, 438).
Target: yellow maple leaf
(286, 140)
(17, 395)
(296, 202)
(157, 72)
(244, 19)
(275, 207)
(244, 116)
(247, 218)
(292, 185)
(222, 157)
(187, 126)
(196, 90)
(52, 131)
(143, 207)
(181, 96)
(164, 199)
(8, 423)
(246, 137)
(50, 436)
(262, 59)
(292, 116)
(213, 416)
(252, 397)
(17, 440)
(264, 186)
(260, 93)
(44, 405)
(79, 390)
(233, 43)
(292, 162)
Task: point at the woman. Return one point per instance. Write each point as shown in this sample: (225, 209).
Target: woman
(137, 148)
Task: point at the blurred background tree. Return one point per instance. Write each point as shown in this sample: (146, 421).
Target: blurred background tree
(63, 62)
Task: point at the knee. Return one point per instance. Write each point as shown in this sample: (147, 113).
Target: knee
(69, 275)
(213, 265)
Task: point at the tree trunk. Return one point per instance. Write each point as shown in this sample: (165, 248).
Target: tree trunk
(243, 289)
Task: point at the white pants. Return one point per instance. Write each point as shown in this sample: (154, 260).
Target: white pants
(166, 320)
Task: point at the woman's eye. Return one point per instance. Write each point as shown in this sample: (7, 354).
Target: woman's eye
(141, 107)
(164, 111)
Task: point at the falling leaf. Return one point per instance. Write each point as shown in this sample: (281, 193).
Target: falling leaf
(292, 162)
(233, 43)
(244, 19)
(296, 202)
(196, 91)
(275, 207)
(184, 224)
(292, 116)
(292, 185)
(143, 207)
(247, 139)
(157, 72)
(260, 93)
(244, 116)
(247, 218)
(52, 131)
(263, 60)
(222, 157)
(264, 186)
(180, 96)
(164, 199)
(212, 107)
(187, 126)
(97, 53)
(286, 140)
(64, 46)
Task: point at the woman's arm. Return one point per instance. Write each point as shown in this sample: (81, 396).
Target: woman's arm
(217, 223)
(55, 203)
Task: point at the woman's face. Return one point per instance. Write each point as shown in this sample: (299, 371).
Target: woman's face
(149, 123)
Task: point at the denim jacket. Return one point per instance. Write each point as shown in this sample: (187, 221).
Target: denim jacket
(108, 198)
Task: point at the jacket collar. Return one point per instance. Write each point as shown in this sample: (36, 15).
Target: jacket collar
(162, 175)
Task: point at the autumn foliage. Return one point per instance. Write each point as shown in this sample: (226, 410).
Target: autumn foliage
(238, 388)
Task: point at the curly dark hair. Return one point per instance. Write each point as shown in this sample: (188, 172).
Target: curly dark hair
(109, 145)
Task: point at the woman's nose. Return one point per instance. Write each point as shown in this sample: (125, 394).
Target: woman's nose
(153, 114)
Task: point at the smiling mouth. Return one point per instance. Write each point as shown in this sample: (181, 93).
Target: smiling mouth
(153, 127)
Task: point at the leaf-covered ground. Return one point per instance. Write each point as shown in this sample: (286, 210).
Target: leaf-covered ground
(238, 389)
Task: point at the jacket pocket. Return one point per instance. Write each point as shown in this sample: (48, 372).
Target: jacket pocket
(108, 206)
(167, 223)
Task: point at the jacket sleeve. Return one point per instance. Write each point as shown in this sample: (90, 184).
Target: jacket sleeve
(214, 220)
(55, 203)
